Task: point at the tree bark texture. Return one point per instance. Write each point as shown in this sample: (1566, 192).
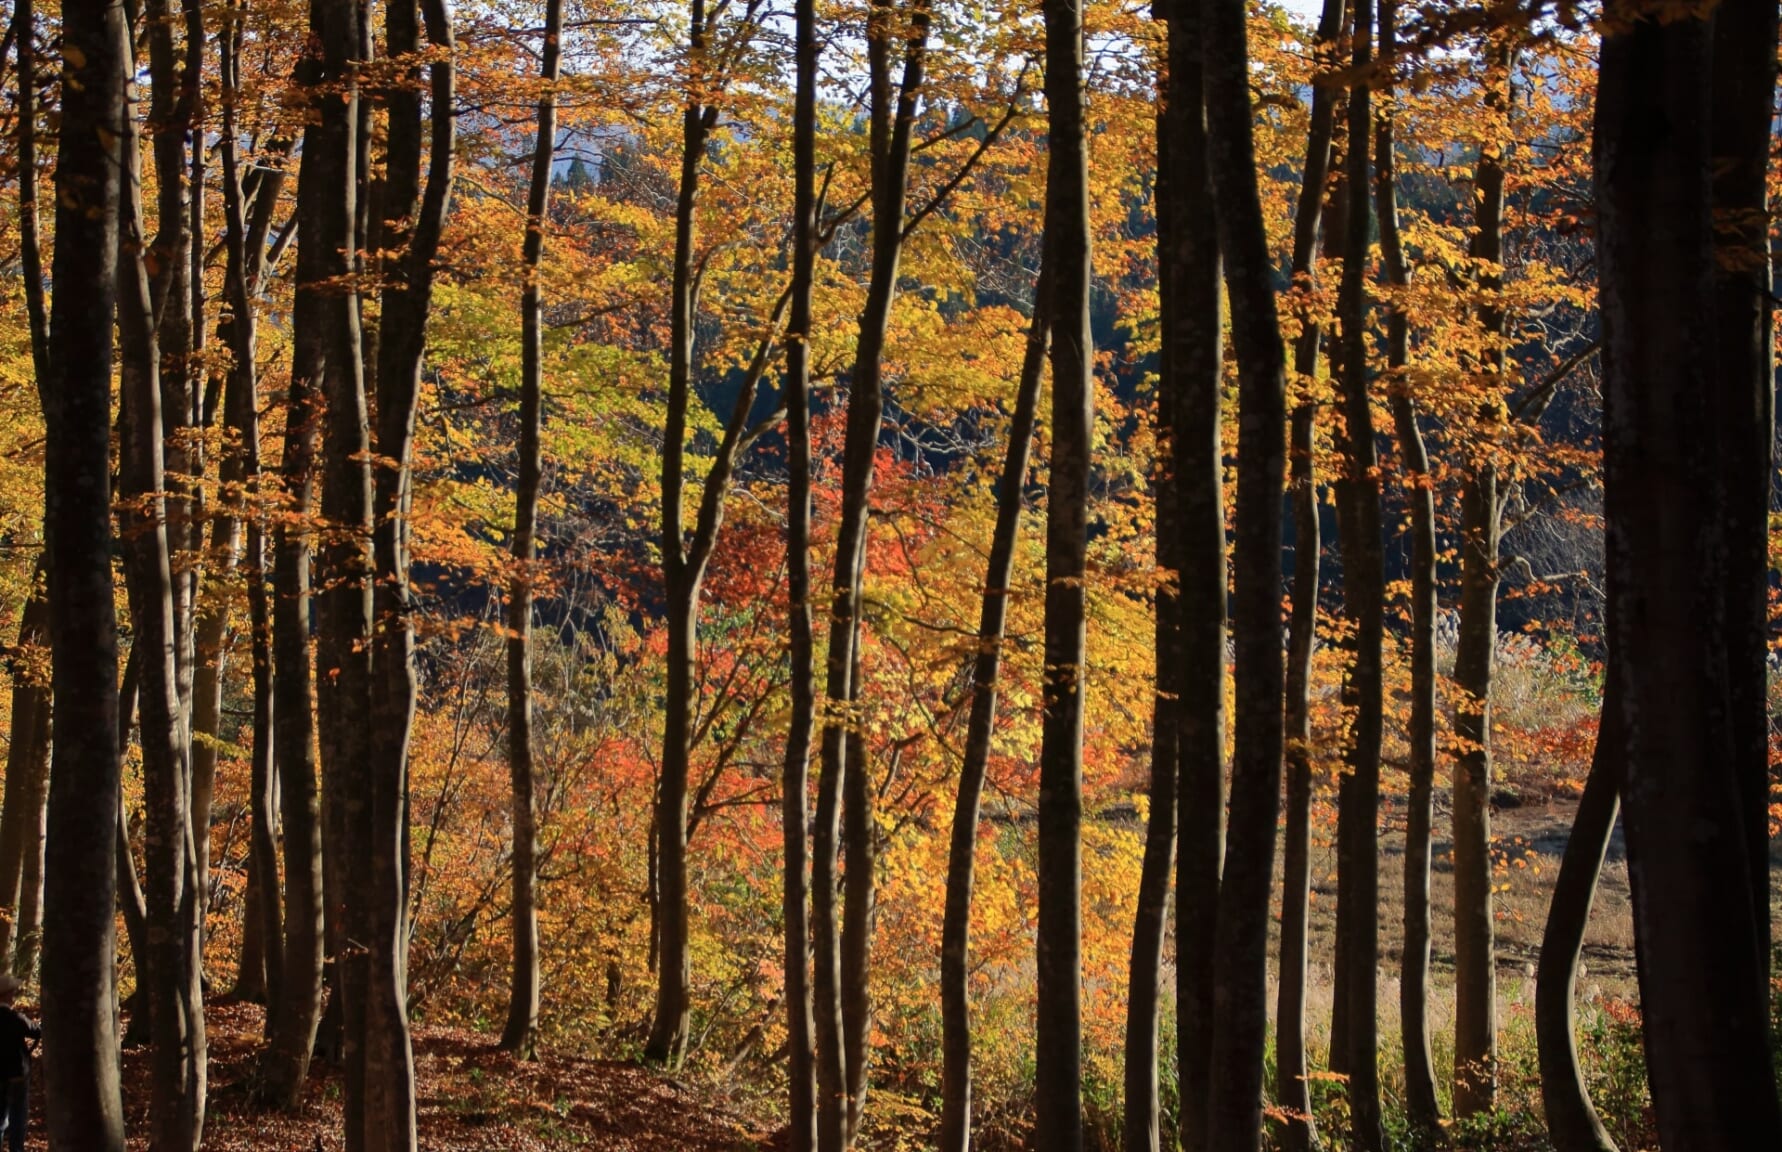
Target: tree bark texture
(1240, 976)
(1671, 555)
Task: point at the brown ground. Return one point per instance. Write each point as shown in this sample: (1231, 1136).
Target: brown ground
(471, 1099)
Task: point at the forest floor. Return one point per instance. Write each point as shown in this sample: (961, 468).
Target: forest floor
(471, 1098)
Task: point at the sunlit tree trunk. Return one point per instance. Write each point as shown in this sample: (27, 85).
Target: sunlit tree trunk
(843, 948)
(1240, 973)
(29, 732)
(1704, 998)
(801, 1128)
(518, 1034)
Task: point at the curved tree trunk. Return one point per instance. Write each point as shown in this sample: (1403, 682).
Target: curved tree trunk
(129, 888)
(1413, 994)
(1059, 1037)
(795, 783)
(1703, 995)
(1292, 1093)
(520, 1031)
(1240, 989)
(1571, 1118)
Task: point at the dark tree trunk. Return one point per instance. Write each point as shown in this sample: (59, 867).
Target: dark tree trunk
(1671, 555)
(1188, 771)
(956, 1079)
(30, 731)
(519, 1033)
(801, 1073)
(1743, 94)
(1240, 974)
(1571, 1118)
(1058, 1076)
(1358, 507)
(843, 951)
(1475, 970)
(1413, 995)
(24, 22)
(172, 891)
(344, 608)
(296, 1016)
(1292, 1092)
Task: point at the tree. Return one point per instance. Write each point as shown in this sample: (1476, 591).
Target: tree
(1482, 505)
(1291, 1067)
(27, 783)
(172, 973)
(1240, 978)
(1571, 1118)
(80, 1058)
(956, 1108)
(1188, 771)
(1667, 494)
(801, 1073)
(1413, 996)
(518, 1034)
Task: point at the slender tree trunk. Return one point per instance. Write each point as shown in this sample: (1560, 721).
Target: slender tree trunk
(131, 904)
(24, 21)
(520, 1031)
(29, 940)
(30, 731)
(1475, 969)
(956, 1078)
(344, 631)
(795, 784)
(1058, 1078)
(842, 954)
(1744, 92)
(1413, 995)
(175, 1000)
(1292, 1092)
(1671, 556)
(297, 1013)
(1240, 977)
(1571, 1118)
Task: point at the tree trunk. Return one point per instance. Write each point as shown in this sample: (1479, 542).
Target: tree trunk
(843, 1016)
(1475, 972)
(1704, 1000)
(1292, 1093)
(84, 1106)
(1240, 973)
(344, 627)
(1413, 994)
(1571, 1118)
(413, 218)
(801, 1073)
(1059, 1073)
(130, 899)
(1744, 91)
(1188, 773)
(172, 891)
(295, 1017)
(956, 1079)
(30, 732)
(520, 1031)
